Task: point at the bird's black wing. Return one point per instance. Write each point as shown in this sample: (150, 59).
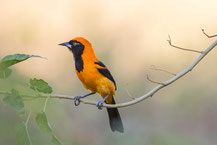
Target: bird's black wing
(105, 72)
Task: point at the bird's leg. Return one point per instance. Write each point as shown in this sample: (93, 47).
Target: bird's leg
(99, 104)
(77, 98)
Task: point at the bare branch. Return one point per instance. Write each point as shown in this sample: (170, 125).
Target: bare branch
(170, 42)
(145, 96)
(158, 69)
(154, 90)
(207, 34)
(155, 82)
(129, 94)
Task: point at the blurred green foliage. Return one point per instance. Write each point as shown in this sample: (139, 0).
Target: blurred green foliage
(42, 122)
(15, 100)
(17, 91)
(22, 135)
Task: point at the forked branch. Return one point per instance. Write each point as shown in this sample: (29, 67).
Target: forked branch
(154, 90)
(145, 96)
(192, 50)
(155, 82)
(209, 36)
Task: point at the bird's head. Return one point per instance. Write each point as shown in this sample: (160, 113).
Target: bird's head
(77, 45)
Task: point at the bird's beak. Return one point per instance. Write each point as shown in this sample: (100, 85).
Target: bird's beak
(66, 44)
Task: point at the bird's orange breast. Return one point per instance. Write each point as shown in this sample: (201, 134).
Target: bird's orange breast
(91, 78)
(95, 82)
(88, 77)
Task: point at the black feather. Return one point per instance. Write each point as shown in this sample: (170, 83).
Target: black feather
(115, 119)
(105, 72)
(100, 64)
(79, 64)
(77, 52)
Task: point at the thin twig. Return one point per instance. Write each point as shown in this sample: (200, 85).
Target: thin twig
(155, 82)
(28, 117)
(170, 42)
(158, 69)
(129, 94)
(207, 34)
(45, 104)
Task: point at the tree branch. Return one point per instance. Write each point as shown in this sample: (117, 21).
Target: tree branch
(170, 42)
(158, 69)
(207, 34)
(151, 92)
(139, 99)
(155, 82)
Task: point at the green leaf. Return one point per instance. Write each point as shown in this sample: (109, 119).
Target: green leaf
(55, 141)
(22, 135)
(10, 60)
(5, 73)
(44, 126)
(40, 85)
(15, 101)
(42, 122)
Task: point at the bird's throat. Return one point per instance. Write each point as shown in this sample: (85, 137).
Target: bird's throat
(79, 64)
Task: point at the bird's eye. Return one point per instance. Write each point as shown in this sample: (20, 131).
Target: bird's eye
(75, 43)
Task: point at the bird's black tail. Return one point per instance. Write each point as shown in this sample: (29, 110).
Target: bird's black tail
(115, 119)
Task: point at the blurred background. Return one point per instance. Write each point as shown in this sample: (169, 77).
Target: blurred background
(129, 37)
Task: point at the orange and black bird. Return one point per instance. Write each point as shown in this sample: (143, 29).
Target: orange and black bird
(95, 77)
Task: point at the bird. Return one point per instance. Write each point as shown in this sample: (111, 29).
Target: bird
(95, 77)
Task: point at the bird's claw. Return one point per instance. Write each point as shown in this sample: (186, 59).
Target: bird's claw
(99, 104)
(77, 100)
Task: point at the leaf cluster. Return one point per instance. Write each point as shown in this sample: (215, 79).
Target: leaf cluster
(15, 99)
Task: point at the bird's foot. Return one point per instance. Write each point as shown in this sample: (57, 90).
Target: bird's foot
(77, 100)
(99, 104)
